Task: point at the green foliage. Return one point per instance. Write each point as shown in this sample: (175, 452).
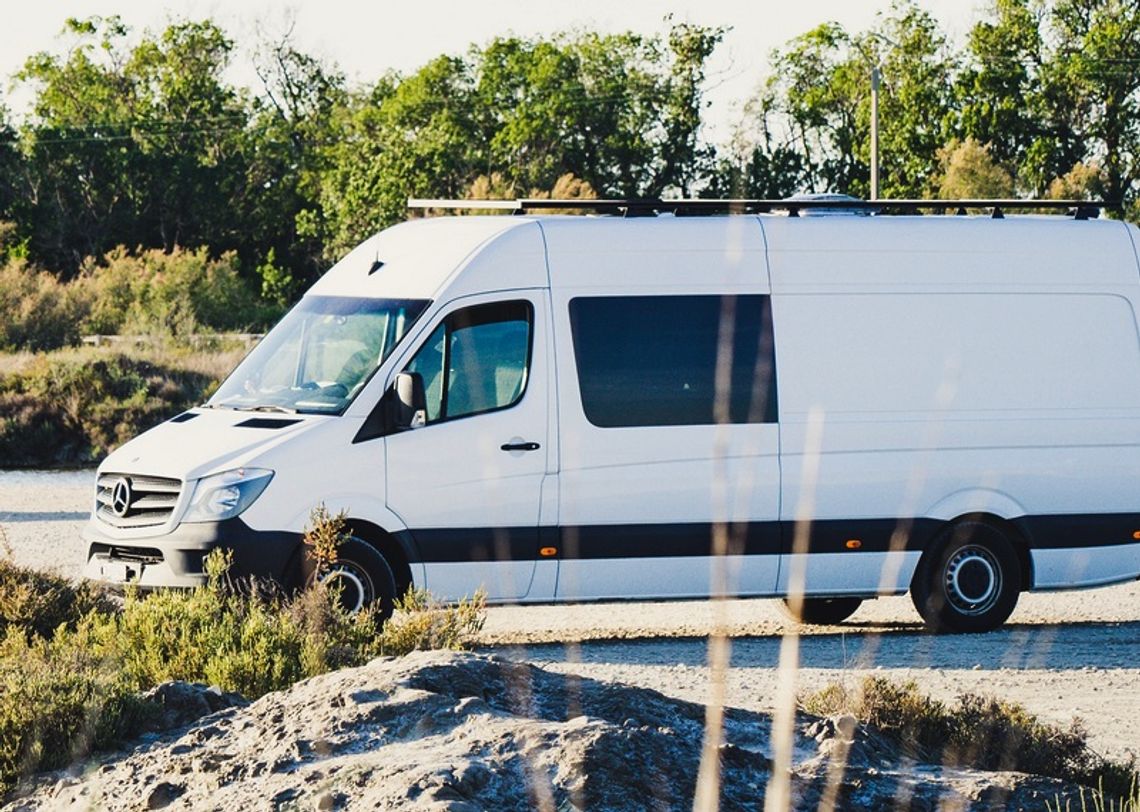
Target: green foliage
(76, 406)
(819, 99)
(979, 732)
(167, 294)
(422, 623)
(59, 699)
(37, 312)
(277, 284)
(324, 535)
(73, 663)
(140, 140)
(37, 603)
(969, 172)
(620, 112)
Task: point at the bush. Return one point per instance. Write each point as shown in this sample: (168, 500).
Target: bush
(36, 311)
(979, 732)
(59, 701)
(422, 623)
(66, 692)
(76, 406)
(174, 294)
(251, 641)
(37, 603)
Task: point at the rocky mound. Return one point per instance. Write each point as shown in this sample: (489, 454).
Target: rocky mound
(465, 732)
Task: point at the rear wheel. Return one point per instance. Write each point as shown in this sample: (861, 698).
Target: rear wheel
(362, 578)
(969, 581)
(822, 611)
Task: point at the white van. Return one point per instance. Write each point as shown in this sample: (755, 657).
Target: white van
(568, 408)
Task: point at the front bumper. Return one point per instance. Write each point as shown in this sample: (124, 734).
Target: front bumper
(175, 559)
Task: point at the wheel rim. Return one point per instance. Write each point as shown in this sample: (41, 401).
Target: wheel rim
(973, 580)
(355, 585)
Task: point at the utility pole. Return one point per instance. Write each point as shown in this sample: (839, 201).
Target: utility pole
(875, 79)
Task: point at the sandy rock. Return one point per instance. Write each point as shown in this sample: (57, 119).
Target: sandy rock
(452, 731)
(181, 703)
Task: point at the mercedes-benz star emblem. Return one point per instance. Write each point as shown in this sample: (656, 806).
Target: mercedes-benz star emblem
(121, 497)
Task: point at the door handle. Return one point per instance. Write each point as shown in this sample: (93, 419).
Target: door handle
(520, 446)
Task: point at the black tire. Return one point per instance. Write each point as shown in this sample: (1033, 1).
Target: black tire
(364, 578)
(969, 580)
(822, 611)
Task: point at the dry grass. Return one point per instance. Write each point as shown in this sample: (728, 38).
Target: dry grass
(979, 732)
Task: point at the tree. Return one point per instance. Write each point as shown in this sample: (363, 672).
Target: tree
(619, 112)
(819, 99)
(970, 172)
(1094, 68)
(292, 129)
(1052, 85)
(997, 92)
(134, 146)
(9, 179)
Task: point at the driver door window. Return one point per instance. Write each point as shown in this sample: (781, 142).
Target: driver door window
(476, 361)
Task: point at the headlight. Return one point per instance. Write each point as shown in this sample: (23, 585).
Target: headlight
(226, 495)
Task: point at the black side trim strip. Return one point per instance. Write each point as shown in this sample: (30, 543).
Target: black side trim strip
(1066, 530)
(477, 544)
(1046, 532)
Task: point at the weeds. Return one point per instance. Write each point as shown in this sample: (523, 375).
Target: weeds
(37, 603)
(72, 661)
(323, 537)
(979, 732)
(1097, 800)
(422, 623)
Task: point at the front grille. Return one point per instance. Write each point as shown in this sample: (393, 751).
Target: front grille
(127, 500)
(139, 555)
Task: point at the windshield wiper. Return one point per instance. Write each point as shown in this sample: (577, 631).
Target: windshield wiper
(264, 408)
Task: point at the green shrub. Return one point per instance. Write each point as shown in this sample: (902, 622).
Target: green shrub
(58, 701)
(175, 294)
(72, 663)
(979, 732)
(422, 623)
(37, 603)
(76, 406)
(37, 312)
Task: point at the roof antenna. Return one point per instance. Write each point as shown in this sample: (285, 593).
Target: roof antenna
(376, 265)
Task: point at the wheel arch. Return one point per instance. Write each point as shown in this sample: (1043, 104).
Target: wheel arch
(395, 548)
(1007, 526)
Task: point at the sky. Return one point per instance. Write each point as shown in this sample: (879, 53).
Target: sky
(368, 38)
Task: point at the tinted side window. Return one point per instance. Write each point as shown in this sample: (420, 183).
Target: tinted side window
(476, 361)
(652, 360)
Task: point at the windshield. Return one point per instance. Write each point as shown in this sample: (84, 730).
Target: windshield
(319, 356)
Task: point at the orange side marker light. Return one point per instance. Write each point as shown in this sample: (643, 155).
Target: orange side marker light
(1136, 534)
(854, 544)
(548, 552)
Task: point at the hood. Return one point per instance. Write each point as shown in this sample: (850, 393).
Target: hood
(204, 441)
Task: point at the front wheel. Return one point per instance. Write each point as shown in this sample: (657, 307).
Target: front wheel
(362, 577)
(821, 611)
(969, 581)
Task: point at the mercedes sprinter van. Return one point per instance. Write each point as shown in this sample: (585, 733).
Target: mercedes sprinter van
(569, 408)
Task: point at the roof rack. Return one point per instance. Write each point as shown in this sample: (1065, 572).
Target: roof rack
(635, 207)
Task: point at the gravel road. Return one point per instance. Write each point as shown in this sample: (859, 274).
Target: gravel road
(1061, 654)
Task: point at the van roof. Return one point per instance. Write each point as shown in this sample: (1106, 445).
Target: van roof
(426, 258)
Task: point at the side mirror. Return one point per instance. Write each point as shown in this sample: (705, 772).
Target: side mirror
(409, 402)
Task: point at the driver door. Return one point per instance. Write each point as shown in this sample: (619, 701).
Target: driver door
(468, 483)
